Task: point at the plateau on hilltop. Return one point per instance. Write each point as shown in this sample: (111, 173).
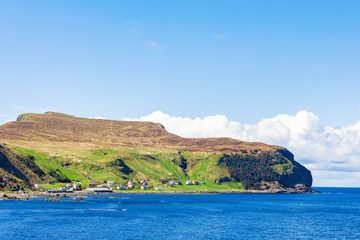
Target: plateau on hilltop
(55, 147)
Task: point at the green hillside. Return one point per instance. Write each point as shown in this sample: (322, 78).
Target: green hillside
(35, 149)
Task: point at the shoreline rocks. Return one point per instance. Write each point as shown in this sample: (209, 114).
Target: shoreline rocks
(79, 195)
(54, 199)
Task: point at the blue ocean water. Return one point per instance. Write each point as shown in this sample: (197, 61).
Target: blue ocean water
(333, 214)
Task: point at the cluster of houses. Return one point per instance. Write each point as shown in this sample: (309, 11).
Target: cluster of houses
(170, 183)
(131, 185)
(188, 182)
(167, 183)
(109, 186)
(76, 186)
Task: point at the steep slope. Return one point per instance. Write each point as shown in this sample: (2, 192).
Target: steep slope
(67, 147)
(21, 170)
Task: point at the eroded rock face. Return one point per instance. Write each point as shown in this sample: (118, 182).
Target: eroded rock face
(18, 168)
(300, 174)
(263, 170)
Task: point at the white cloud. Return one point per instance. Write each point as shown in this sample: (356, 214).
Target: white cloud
(98, 117)
(219, 36)
(154, 45)
(320, 148)
(336, 178)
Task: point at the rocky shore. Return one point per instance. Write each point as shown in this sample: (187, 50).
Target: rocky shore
(26, 195)
(268, 191)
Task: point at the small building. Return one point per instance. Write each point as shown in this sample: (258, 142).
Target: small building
(77, 186)
(110, 184)
(144, 187)
(196, 182)
(120, 187)
(91, 184)
(188, 182)
(50, 181)
(5, 179)
(131, 186)
(158, 189)
(104, 185)
(162, 181)
(96, 190)
(170, 184)
(177, 182)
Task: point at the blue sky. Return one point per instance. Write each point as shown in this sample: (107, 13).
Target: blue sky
(246, 60)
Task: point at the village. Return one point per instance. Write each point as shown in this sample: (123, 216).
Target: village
(109, 186)
(106, 186)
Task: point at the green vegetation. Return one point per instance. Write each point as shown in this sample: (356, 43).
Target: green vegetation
(240, 165)
(51, 165)
(243, 170)
(271, 167)
(63, 148)
(59, 176)
(118, 165)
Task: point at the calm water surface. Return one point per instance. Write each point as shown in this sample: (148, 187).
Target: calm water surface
(333, 214)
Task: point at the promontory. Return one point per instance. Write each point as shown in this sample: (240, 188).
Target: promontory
(52, 150)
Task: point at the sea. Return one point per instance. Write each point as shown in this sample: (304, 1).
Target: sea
(332, 214)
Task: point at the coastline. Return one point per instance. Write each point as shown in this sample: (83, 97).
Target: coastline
(26, 195)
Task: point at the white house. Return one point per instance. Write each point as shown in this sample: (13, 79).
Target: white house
(110, 184)
(77, 186)
(144, 187)
(120, 187)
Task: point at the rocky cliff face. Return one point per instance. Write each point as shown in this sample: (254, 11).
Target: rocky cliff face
(20, 170)
(66, 148)
(261, 169)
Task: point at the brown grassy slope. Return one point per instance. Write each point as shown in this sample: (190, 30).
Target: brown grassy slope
(56, 129)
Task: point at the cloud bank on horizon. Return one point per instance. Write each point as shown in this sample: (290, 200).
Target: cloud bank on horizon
(332, 154)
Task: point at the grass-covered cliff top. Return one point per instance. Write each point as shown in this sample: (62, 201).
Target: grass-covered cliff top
(38, 147)
(56, 129)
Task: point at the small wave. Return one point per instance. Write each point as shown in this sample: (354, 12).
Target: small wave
(108, 210)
